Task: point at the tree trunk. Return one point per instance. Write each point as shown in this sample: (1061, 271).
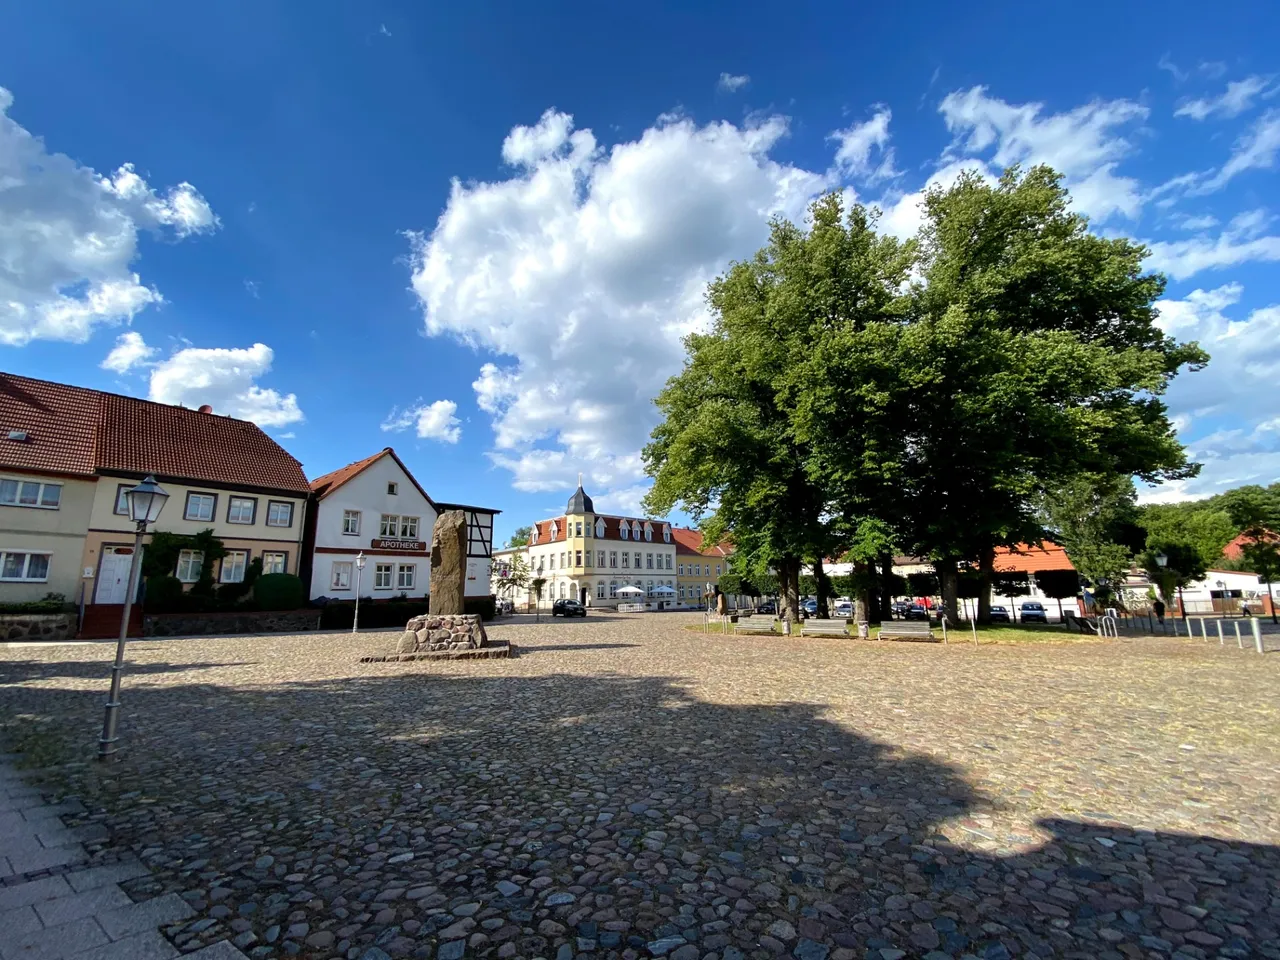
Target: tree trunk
(789, 581)
(986, 569)
(948, 586)
(886, 587)
(823, 586)
(1013, 611)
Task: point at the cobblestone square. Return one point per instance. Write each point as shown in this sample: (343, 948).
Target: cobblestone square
(625, 788)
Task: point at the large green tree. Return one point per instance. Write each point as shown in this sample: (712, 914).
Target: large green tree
(1032, 356)
(736, 448)
(1095, 519)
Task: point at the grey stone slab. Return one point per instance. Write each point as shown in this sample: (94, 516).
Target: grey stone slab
(222, 950)
(147, 915)
(6, 870)
(19, 922)
(33, 891)
(45, 858)
(93, 877)
(52, 833)
(141, 946)
(11, 824)
(44, 811)
(20, 803)
(18, 790)
(65, 909)
(54, 943)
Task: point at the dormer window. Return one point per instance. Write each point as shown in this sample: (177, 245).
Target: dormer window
(533, 536)
(666, 532)
(554, 530)
(623, 529)
(599, 526)
(648, 531)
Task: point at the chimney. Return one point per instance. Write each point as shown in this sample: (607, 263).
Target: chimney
(205, 408)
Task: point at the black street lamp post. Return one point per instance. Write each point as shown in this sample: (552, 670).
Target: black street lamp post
(145, 501)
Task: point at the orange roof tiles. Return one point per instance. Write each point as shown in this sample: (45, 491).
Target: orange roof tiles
(1027, 558)
(85, 432)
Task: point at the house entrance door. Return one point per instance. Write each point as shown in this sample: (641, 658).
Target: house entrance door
(113, 575)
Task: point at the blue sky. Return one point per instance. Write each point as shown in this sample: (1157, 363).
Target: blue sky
(478, 233)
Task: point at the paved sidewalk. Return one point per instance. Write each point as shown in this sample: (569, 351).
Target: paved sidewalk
(55, 906)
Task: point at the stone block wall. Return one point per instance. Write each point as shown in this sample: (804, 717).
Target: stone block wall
(17, 627)
(219, 624)
(446, 632)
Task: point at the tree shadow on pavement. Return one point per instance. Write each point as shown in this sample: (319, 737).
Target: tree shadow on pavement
(22, 671)
(558, 815)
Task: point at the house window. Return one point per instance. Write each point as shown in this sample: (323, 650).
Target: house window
(666, 533)
(533, 534)
(190, 563)
(279, 513)
(200, 506)
(409, 528)
(577, 529)
(555, 530)
(390, 526)
(613, 589)
(680, 591)
(341, 579)
(351, 522)
(552, 564)
(599, 558)
(122, 502)
(600, 590)
(599, 526)
(648, 589)
(717, 569)
(275, 562)
(564, 559)
(648, 561)
(577, 558)
(564, 589)
(613, 559)
(393, 489)
(406, 575)
(29, 493)
(233, 565)
(241, 509)
(681, 570)
(382, 576)
(637, 559)
(697, 569)
(626, 560)
(622, 529)
(24, 566)
(668, 561)
(648, 531)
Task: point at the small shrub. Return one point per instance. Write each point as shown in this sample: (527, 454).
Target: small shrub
(279, 591)
(164, 594)
(51, 603)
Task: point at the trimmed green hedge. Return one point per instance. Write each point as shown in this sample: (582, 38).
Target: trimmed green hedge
(279, 591)
(52, 603)
(339, 615)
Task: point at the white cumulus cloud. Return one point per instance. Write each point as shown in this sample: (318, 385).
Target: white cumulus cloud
(732, 83)
(69, 238)
(1241, 241)
(431, 421)
(130, 351)
(583, 271)
(858, 142)
(1085, 145)
(226, 379)
(1235, 100)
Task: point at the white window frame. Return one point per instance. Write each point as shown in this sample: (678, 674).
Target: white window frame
(577, 528)
(340, 575)
(648, 561)
(613, 560)
(623, 529)
(626, 559)
(669, 561)
(271, 505)
(194, 560)
(638, 567)
(229, 566)
(409, 527)
(393, 488)
(412, 570)
(600, 590)
(41, 487)
(648, 532)
(383, 572)
(666, 533)
(389, 526)
(25, 573)
(564, 589)
(350, 529)
(194, 496)
(648, 590)
(599, 526)
(577, 558)
(613, 589)
(234, 502)
(268, 563)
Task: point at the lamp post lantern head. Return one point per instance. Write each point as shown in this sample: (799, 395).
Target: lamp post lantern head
(1162, 560)
(360, 560)
(145, 501)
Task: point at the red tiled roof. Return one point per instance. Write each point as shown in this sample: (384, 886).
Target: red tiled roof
(325, 485)
(686, 541)
(1027, 558)
(80, 431)
(1234, 549)
(689, 542)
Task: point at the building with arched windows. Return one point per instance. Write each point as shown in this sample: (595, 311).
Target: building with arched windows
(592, 557)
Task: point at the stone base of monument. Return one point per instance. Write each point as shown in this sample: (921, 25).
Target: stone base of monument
(451, 636)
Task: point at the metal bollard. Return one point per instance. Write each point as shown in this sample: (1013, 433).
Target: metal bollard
(1257, 633)
(1221, 641)
(1239, 639)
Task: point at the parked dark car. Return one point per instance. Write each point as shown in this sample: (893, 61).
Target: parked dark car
(767, 606)
(809, 608)
(917, 611)
(568, 608)
(999, 615)
(1033, 612)
(900, 608)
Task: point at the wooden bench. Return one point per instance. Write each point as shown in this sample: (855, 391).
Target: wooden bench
(755, 624)
(814, 627)
(907, 630)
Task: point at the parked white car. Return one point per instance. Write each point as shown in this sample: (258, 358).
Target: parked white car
(843, 609)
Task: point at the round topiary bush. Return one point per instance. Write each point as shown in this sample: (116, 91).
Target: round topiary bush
(164, 594)
(279, 591)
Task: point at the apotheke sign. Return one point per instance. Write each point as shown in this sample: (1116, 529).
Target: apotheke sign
(417, 546)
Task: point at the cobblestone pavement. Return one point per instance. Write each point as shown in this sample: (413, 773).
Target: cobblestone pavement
(625, 788)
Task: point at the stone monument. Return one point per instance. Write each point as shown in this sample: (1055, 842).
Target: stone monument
(446, 632)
